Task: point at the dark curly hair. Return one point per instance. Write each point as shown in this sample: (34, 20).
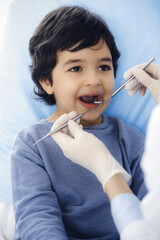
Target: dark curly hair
(62, 29)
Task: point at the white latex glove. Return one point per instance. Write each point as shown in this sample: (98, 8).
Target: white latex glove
(148, 78)
(88, 151)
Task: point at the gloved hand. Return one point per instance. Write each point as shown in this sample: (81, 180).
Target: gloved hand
(148, 78)
(88, 151)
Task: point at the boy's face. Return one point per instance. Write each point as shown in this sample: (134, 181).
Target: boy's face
(79, 79)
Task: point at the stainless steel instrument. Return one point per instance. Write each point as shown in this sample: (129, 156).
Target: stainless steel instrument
(98, 102)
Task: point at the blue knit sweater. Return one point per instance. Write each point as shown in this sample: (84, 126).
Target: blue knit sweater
(56, 199)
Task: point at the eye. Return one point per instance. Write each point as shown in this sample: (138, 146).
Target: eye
(104, 68)
(76, 69)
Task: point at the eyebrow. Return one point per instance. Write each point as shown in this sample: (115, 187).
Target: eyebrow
(71, 61)
(108, 59)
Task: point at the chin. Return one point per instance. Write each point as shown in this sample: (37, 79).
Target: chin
(91, 120)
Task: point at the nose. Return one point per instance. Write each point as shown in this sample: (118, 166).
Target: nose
(92, 79)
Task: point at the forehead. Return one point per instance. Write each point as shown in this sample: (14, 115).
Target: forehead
(98, 51)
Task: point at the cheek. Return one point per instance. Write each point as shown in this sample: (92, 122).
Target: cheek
(70, 87)
(65, 91)
(109, 85)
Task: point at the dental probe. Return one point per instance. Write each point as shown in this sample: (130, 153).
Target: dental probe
(62, 126)
(100, 102)
(124, 84)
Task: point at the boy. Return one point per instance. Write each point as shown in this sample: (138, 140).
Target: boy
(74, 60)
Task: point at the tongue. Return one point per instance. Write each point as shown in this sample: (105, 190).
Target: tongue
(89, 99)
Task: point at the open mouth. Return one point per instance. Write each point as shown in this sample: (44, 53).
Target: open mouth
(89, 99)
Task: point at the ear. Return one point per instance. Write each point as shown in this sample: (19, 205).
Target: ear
(46, 85)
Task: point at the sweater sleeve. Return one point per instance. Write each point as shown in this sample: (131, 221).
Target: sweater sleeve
(138, 185)
(37, 212)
